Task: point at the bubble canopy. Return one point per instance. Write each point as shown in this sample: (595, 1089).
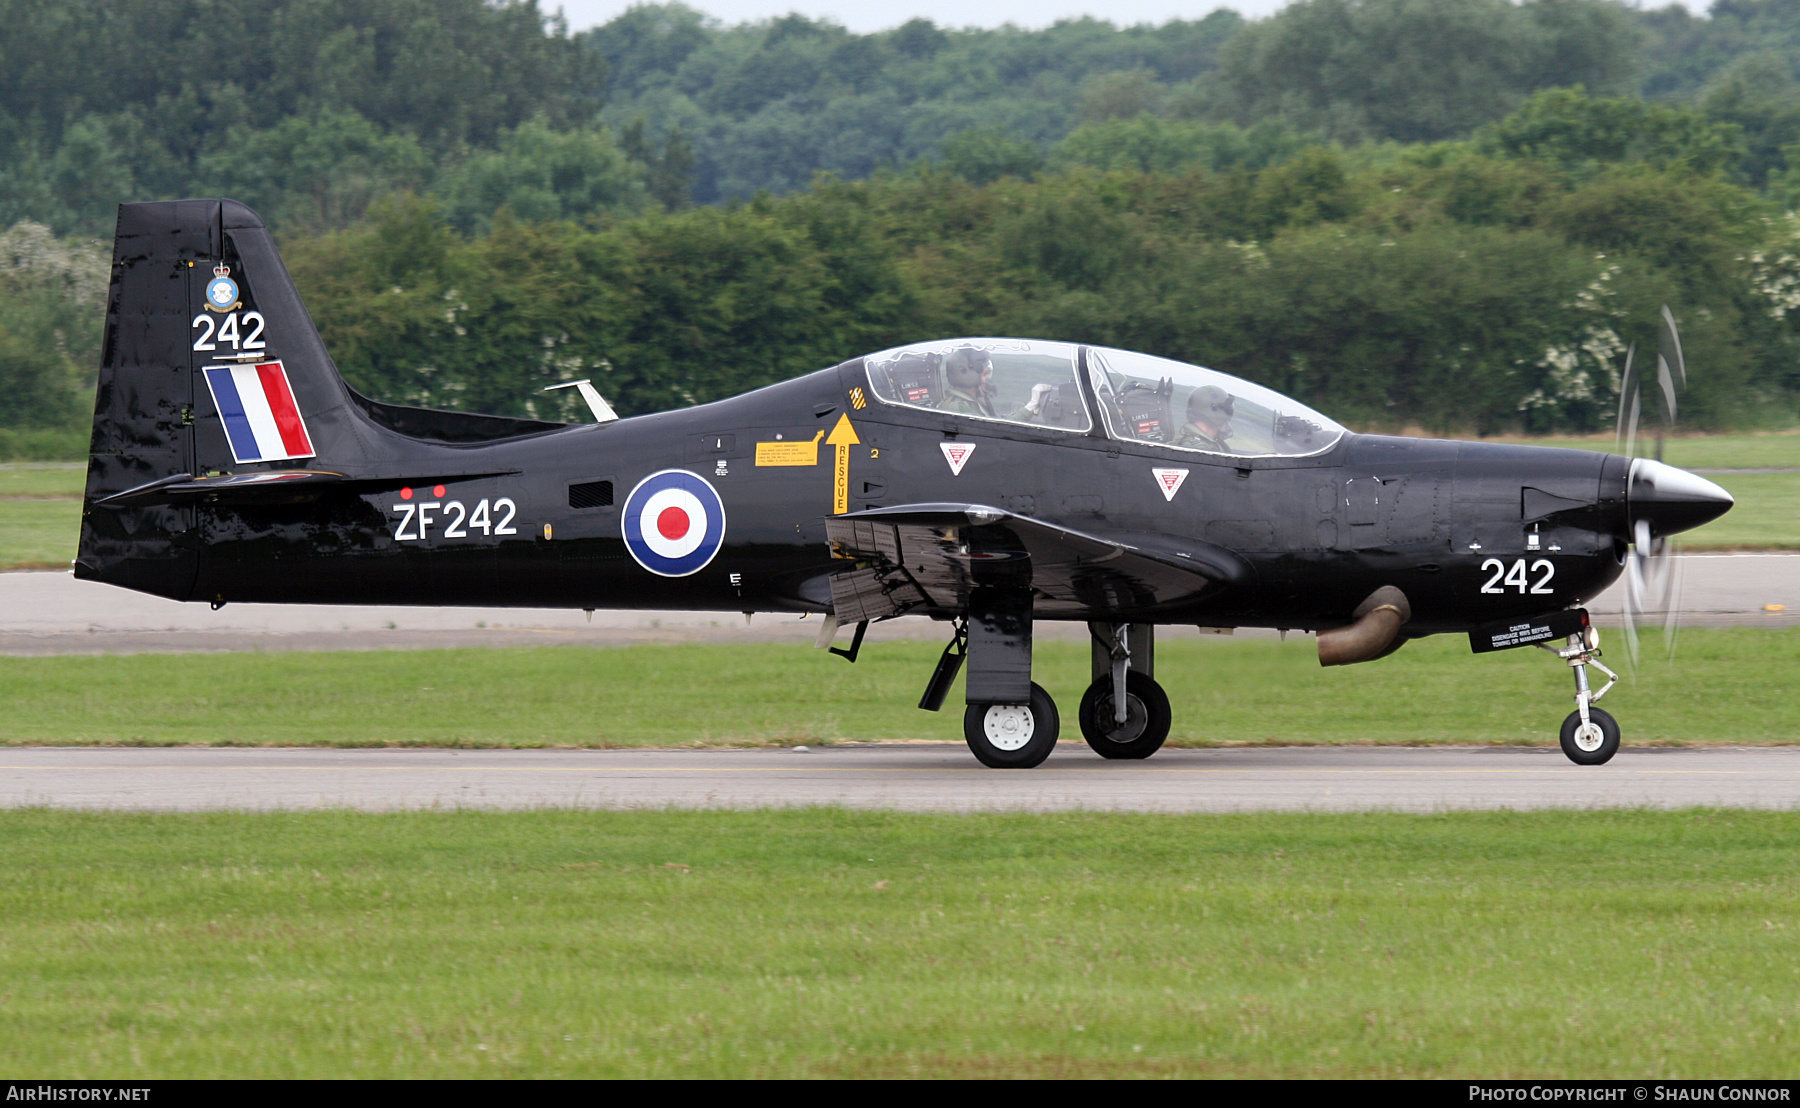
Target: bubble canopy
(1141, 398)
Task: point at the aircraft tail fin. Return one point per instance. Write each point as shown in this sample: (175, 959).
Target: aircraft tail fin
(211, 365)
(212, 368)
(211, 362)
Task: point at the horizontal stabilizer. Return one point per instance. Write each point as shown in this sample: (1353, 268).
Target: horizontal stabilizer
(275, 485)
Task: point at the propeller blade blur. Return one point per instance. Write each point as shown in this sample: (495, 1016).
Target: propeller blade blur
(1627, 394)
(1671, 346)
(1666, 380)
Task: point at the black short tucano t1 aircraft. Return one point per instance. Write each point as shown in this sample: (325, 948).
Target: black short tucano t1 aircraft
(984, 482)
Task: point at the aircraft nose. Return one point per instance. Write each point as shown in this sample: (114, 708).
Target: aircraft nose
(1671, 499)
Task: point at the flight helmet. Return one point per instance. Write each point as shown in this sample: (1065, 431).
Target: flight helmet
(965, 367)
(1209, 404)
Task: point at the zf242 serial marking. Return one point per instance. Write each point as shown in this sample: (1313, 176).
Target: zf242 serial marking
(458, 520)
(249, 338)
(1517, 577)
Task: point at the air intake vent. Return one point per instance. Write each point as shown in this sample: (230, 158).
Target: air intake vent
(591, 494)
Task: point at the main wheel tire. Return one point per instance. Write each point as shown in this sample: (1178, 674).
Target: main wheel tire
(1013, 736)
(1594, 746)
(1146, 718)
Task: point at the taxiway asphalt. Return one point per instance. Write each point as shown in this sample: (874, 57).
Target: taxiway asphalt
(934, 777)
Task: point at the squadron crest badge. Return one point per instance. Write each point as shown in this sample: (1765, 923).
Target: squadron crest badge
(222, 291)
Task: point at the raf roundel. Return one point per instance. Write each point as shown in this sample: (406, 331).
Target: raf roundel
(674, 523)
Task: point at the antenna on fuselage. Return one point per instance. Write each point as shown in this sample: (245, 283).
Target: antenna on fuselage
(603, 412)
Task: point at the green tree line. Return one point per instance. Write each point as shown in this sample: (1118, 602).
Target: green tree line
(1485, 285)
(310, 110)
(1482, 285)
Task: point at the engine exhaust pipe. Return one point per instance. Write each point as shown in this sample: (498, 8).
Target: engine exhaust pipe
(1373, 635)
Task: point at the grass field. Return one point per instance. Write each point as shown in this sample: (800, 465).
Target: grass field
(1730, 687)
(40, 514)
(1779, 450)
(826, 943)
(47, 479)
(38, 534)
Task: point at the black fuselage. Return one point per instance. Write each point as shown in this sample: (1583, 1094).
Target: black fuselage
(1472, 532)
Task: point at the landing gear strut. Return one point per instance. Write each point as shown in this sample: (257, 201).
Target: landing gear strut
(1011, 722)
(1124, 713)
(1590, 737)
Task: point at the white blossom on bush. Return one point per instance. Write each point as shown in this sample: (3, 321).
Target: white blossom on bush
(33, 258)
(1588, 369)
(1775, 269)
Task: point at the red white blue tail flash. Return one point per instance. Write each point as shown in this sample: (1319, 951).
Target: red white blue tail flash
(674, 523)
(261, 419)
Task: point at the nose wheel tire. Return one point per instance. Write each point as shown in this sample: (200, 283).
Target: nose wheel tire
(1012, 736)
(1146, 718)
(1594, 744)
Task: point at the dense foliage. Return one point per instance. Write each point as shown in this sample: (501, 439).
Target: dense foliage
(52, 297)
(1458, 286)
(310, 109)
(1454, 213)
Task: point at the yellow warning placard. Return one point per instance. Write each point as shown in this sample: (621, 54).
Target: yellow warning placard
(798, 453)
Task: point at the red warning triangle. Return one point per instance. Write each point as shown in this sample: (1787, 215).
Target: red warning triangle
(956, 453)
(1169, 480)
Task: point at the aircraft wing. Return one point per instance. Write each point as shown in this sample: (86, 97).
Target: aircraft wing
(935, 555)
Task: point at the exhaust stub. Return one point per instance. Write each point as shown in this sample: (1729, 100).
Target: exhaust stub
(1374, 634)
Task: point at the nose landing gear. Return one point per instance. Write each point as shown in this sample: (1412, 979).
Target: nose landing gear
(1012, 736)
(1590, 737)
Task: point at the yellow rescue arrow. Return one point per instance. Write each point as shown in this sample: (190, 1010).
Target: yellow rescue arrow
(843, 437)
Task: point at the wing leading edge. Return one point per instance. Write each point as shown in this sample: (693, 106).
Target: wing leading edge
(935, 555)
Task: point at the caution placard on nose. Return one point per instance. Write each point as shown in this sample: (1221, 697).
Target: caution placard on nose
(1507, 634)
(802, 452)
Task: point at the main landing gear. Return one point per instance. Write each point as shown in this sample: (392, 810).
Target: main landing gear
(1124, 713)
(1590, 737)
(1012, 723)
